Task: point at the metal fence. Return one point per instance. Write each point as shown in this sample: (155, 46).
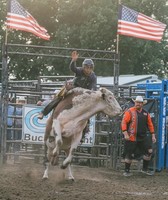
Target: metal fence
(108, 146)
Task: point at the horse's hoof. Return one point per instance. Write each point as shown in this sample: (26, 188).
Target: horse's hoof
(71, 179)
(45, 178)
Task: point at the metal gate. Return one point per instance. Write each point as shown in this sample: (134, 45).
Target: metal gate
(44, 51)
(108, 146)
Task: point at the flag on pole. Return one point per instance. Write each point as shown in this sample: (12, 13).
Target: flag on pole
(135, 24)
(18, 18)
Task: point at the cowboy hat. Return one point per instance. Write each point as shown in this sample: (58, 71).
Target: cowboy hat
(140, 99)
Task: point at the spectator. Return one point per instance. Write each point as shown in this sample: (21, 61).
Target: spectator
(18, 121)
(10, 122)
(135, 124)
(43, 102)
(47, 101)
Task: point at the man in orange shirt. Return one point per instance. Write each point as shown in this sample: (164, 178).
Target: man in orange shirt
(135, 124)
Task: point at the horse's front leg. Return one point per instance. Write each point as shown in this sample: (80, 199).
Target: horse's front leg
(47, 158)
(58, 137)
(68, 159)
(69, 152)
(70, 175)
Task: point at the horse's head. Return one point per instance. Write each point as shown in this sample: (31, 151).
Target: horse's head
(112, 106)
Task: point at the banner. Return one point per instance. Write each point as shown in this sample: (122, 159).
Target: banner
(33, 128)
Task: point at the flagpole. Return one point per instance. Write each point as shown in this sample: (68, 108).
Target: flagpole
(117, 45)
(116, 65)
(6, 32)
(6, 36)
(4, 100)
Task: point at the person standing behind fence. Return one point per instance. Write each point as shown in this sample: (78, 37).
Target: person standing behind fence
(47, 101)
(135, 124)
(10, 122)
(18, 121)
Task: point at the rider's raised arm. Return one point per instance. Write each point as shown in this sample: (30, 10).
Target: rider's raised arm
(72, 65)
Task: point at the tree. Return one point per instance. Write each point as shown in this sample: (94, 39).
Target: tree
(142, 56)
(89, 25)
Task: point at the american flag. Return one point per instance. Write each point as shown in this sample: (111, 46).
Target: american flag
(18, 18)
(135, 24)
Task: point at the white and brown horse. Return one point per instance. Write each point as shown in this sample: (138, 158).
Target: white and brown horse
(64, 128)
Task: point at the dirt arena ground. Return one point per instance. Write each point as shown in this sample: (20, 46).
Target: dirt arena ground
(24, 182)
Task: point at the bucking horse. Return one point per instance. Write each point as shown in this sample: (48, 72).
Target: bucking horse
(65, 126)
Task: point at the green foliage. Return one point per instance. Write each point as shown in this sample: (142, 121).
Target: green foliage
(87, 24)
(140, 56)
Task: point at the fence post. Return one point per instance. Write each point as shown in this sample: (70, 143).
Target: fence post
(4, 104)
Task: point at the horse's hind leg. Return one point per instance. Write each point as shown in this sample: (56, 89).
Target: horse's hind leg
(47, 158)
(58, 138)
